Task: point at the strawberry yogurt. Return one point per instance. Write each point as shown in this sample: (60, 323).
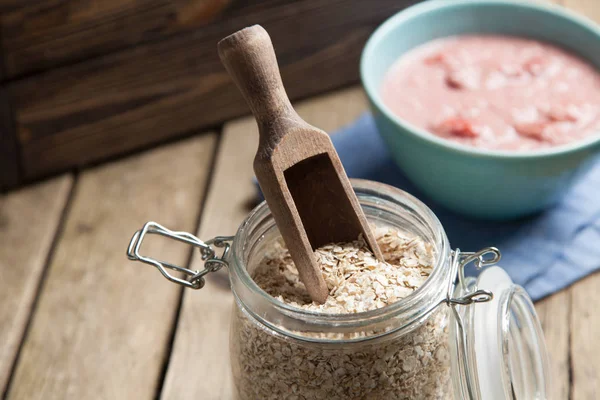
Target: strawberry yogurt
(496, 92)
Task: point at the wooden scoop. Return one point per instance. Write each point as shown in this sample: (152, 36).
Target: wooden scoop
(297, 167)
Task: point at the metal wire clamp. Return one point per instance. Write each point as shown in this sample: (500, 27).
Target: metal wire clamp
(192, 279)
(483, 258)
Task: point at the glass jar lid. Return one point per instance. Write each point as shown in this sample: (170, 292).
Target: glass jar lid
(503, 350)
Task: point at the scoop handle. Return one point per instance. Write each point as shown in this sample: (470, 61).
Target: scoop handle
(249, 57)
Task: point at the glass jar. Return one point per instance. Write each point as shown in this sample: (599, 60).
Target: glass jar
(454, 337)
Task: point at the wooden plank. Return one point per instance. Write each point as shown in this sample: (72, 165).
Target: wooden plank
(10, 5)
(589, 8)
(585, 346)
(89, 111)
(40, 35)
(201, 345)
(554, 314)
(102, 326)
(29, 219)
(9, 151)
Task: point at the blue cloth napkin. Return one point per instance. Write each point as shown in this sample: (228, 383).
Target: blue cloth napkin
(543, 253)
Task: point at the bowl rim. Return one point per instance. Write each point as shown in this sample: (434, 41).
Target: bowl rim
(425, 7)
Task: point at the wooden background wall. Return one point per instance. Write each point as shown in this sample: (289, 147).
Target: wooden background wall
(85, 80)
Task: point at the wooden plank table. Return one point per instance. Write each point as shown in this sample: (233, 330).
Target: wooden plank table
(79, 321)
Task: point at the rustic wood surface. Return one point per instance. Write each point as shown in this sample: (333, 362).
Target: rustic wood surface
(9, 148)
(97, 326)
(201, 346)
(555, 313)
(102, 326)
(85, 112)
(584, 321)
(589, 8)
(41, 34)
(29, 220)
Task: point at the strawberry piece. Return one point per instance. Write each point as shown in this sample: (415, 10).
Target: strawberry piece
(435, 59)
(535, 65)
(561, 115)
(455, 81)
(459, 127)
(532, 130)
(463, 78)
(512, 71)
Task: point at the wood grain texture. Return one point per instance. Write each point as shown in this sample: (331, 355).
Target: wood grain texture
(299, 171)
(39, 35)
(9, 149)
(554, 313)
(585, 346)
(10, 5)
(201, 344)
(110, 105)
(102, 325)
(249, 58)
(29, 219)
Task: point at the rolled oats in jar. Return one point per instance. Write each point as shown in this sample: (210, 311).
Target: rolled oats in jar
(412, 327)
(346, 365)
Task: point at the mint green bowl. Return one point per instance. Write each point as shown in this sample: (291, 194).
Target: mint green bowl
(480, 183)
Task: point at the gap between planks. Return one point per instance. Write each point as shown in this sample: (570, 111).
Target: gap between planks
(30, 222)
(188, 264)
(584, 322)
(101, 328)
(554, 312)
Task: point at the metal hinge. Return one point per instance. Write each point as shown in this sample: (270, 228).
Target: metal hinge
(192, 279)
(483, 258)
